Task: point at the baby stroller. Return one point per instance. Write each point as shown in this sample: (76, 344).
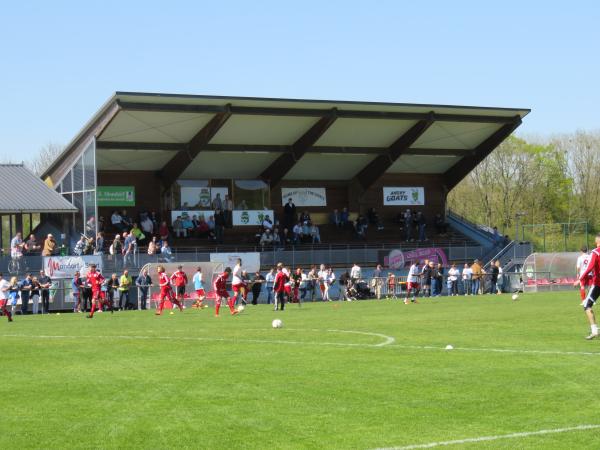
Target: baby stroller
(363, 291)
(351, 291)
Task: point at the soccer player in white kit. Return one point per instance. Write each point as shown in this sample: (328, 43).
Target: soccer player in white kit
(412, 285)
(581, 265)
(237, 284)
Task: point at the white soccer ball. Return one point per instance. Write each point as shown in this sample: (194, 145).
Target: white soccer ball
(449, 347)
(240, 308)
(515, 296)
(277, 323)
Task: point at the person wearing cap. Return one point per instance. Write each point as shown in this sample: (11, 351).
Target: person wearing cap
(49, 246)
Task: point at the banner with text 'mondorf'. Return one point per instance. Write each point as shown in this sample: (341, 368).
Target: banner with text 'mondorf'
(66, 266)
(403, 196)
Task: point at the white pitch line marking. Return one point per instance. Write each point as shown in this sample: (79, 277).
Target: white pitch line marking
(497, 350)
(493, 438)
(387, 339)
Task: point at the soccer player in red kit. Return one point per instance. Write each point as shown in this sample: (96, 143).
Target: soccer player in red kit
(179, 279)
(220, 288)
(594, 292)
(280, 287)
(94, 280)
(165, 290)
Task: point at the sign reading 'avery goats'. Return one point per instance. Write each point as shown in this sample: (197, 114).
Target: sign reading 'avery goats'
(398, 196)
(304, 196)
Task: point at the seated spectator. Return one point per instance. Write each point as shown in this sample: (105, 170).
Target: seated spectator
(297, 233)
(202, 230)
(211, 223)
(305, 218)
(267, 223)
(266, 238)
(125, 220)
(137, 232)
(117, 221)
(187, 225)
(335, 218)
(165, 252)
(116, 248)
(315, 234)
(344, 217)
(305, 236)
(147, 226)
(286, 237)
(153, 246)
(178, 228)
(360, 227)
(373, 219)
(163, 231)
(276, 238)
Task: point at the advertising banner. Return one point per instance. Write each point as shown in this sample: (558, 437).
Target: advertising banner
(403, 196)
(250, 260)
(195, 197)
(251, 218)
(304, 196)
(397, 259)
(66, 266)
(115, 195)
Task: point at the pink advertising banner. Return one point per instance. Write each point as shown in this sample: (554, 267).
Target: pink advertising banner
(397, 259)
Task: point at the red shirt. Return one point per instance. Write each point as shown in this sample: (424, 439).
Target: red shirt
(179, 278)
(94, 279)
(163, 280)
(593, 266)
(280, 280)
(221, 282)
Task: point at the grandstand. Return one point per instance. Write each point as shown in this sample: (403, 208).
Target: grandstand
(173, 155)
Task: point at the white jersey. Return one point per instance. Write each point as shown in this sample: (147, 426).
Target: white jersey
(237, 275)
(582, 262)
(355, 272)
(322, 275)
(4, 285)
(414, 274)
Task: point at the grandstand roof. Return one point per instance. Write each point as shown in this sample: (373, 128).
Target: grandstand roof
(23, 192)
(196, 137)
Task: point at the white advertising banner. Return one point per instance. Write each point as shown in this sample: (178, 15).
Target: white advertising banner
(195, 197)
(250, 260)
(403, 196)
(304, 196)
(66, 266)
(251, 217)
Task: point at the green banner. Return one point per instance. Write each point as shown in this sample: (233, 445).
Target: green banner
(115, 195)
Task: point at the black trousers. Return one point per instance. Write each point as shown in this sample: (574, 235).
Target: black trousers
(255, 295)
(24, 302)
(281, 300)
(143, 297)
(45, 301)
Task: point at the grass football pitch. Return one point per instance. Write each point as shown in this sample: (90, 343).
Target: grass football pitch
(360, 375)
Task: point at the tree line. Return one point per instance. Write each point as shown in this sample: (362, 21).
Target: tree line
(535, 182)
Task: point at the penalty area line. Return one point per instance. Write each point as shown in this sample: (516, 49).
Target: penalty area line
(495, 350)
(493, 438)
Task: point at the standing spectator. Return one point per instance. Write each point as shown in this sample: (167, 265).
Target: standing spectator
(408, 224)
(217, 203)
(90, 226)
(112, 288)
(453, 274)
(391, 286)
(494, 272)
(311, 282)
(35, 295)
(421, 224)
(467, 273)
(322, 279)
(143, 282)
(99, 245)
(125, 283)
(269, 280)
(76, 286)
(427, 275)
(500, 283)
(25, 293)
(344, 218)
(129, 249)
(377, 281)
(303, 286)
(281, 279)
(32, 246)
(228, 211)
(45, 283)
(49, 246)
(335, 218)
(289, 214)
(329, 282)
(126, 221)
(147, 226)
(257, 283)
(437, 283)
(219, 225)
(155, 222)
(137, 232)
(355, 273)
(476, 276)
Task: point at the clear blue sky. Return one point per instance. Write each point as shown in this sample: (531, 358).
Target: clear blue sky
(62, 60)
